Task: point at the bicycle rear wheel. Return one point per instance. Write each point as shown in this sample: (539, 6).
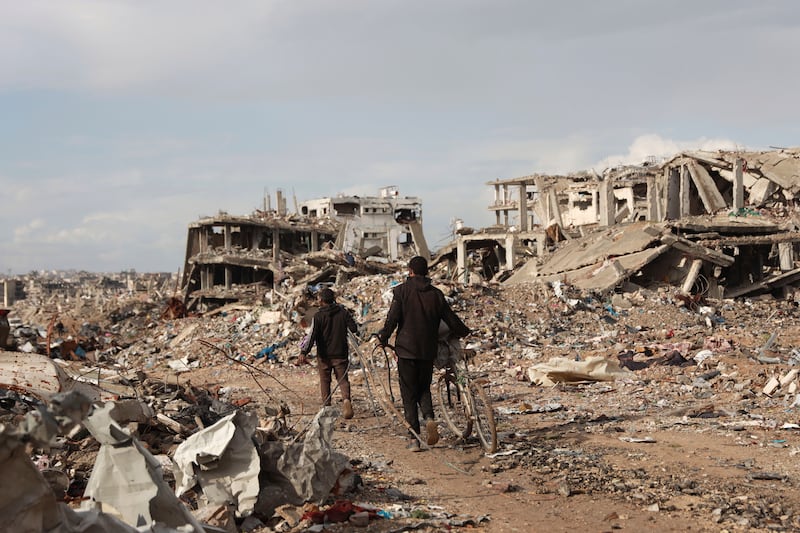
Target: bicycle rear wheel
(483, 414)
(451, 400)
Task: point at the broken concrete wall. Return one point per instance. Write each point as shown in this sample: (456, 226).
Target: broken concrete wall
(389, 225)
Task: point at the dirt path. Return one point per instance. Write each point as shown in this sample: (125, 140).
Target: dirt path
(568, 472)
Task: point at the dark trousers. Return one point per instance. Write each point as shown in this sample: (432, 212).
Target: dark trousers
(415, 389)
(339, 367)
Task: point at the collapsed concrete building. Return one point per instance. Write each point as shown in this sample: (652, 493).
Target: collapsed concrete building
(726, 219)
(388, 224)
(226, 254)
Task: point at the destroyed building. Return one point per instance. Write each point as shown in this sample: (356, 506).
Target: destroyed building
(188, 430)
(225, 250)
(388, 224)
(725, 217)
(226, 253)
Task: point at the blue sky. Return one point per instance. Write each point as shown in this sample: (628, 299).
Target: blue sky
(122, 122)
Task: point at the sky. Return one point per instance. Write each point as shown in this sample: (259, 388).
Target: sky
(121, 122)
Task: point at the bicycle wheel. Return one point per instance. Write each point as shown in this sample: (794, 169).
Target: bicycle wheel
(483, 415)
(381, 366)
(451, 400)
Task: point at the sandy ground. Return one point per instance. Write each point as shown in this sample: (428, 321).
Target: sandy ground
(697, 447)
(698, 469)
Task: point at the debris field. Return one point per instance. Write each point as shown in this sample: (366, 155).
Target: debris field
(639, 347)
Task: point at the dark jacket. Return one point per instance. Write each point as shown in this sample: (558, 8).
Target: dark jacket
(416, 311)
(329, 332)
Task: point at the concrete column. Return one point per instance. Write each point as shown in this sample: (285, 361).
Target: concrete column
(510, 251)
(314, 241)
(523, 207)
(652, 199)
(673, 193)
(228, 277)
(392, 235)
(659, 199)
(541, 241)
(227, 229)
(281, 202)
(691, 277)
(738, 184)
(206, 278)
(9, 292)
(461, 260)
(276, 244)
(786, 255)
(607, 203)
(685, 205)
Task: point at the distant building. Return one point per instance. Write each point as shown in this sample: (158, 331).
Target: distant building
(388, 225)
(225, 252)
(12, 290)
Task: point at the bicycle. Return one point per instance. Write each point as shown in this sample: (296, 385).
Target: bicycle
(465, 403)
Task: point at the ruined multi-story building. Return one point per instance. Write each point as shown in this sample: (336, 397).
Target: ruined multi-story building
(226, 252)
(388, 224)
(719, 222)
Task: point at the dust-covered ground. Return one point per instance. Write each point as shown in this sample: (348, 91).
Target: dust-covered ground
(688, 440)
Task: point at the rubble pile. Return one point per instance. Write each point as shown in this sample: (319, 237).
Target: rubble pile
(722, 367)
(640, 350)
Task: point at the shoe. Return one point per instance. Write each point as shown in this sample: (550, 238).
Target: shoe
(347, 409)
(433, 432)
(413, 445)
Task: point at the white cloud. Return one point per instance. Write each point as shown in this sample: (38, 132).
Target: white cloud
(653, 145)
(22, 233)
(320, 97)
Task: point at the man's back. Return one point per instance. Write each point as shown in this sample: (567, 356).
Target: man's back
(330, 330)
(417, 309)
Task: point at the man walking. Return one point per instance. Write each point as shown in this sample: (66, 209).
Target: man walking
(417, 309)
(329, 332)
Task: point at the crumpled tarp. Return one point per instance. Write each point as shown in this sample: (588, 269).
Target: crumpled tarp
(27, 502)
(566, 370)
(301, 472)
(127, 479)
(223, 459)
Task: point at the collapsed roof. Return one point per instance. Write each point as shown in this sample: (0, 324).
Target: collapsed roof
(723, 218)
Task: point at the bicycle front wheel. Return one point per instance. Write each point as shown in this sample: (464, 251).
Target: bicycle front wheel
(454, 412)
(381, 367)
(484, 417)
